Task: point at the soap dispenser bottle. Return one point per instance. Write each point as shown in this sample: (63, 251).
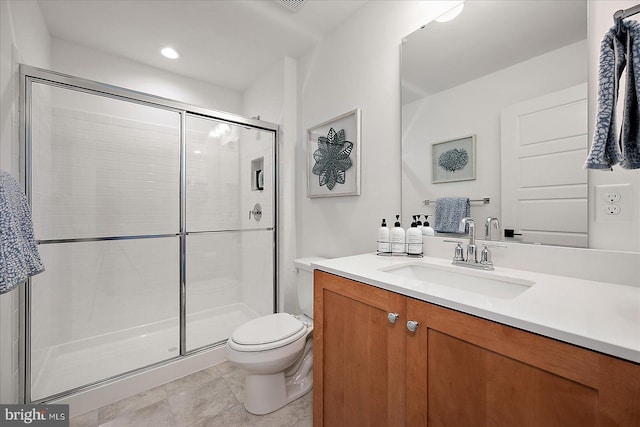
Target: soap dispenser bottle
(414, 239)
(416, 218)
(384, 247)
(397, 238)
(426, 228)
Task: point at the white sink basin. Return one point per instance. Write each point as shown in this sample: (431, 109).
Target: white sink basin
(479, 282)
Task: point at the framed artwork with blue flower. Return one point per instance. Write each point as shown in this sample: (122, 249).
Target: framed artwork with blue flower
(333, 153)
(454, 160)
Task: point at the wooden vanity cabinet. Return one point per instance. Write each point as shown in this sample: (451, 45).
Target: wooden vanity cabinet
(358, 356)
(455, 370)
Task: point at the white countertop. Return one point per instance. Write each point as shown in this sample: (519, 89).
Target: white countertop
(599, 316)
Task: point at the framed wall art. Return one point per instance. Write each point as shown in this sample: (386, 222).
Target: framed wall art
(454, 160)
(333, 157)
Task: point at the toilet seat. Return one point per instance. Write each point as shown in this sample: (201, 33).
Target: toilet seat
(267, 332)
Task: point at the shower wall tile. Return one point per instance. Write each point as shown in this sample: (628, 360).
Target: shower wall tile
(98, 289)
(106, 175)
(213, 271)
(256, 144)
(41, 131)
(212, 177)
(257, 247)
(256, 279)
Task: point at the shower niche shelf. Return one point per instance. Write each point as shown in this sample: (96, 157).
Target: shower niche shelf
(257, 174)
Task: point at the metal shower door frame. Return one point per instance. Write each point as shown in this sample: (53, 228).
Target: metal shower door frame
(30, 75)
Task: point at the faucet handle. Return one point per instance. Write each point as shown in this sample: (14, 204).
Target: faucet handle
(459, 251)
(485, 255)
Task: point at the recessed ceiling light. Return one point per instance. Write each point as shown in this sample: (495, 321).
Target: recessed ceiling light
(450, 14)
(170, 53)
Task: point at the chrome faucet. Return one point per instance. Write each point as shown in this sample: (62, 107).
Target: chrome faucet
(472, 253)
(485, 262)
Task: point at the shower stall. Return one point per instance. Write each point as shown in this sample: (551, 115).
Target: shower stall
(156, 222)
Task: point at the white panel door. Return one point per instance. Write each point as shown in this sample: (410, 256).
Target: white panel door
(544, 187)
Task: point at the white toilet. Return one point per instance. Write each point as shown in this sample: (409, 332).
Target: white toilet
(276, 350)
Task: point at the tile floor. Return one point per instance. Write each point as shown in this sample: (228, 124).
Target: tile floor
(211, 397)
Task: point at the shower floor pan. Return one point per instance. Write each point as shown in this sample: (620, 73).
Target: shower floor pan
(71, 365)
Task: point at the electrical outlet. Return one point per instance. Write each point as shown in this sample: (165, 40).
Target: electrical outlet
(614, 202)
(612, 210)
(612, 197)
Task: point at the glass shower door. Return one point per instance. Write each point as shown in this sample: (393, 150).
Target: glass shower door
(156, 225)
(230, 241)
(105, 180)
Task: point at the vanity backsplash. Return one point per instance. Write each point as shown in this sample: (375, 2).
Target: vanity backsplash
(589, 264)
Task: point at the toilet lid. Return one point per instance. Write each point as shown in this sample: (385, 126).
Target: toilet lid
(267, 329)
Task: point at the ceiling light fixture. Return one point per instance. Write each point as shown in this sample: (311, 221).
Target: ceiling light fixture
(170, 53)
(451, 13)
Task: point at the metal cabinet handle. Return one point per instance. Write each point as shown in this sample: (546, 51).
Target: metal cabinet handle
(412, 325)
(393, 317)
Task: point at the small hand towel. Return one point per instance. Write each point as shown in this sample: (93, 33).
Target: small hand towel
(19, 256)
(449, 212)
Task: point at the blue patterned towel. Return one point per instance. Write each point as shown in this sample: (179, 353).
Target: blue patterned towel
(618, 51)
(19, 256)
(449, 212)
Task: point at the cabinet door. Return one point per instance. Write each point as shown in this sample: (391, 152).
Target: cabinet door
(464, 370)
(358, 354)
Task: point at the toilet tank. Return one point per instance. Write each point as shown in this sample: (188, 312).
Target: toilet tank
(304, 283)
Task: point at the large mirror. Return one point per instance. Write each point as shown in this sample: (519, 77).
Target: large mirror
(505, 81)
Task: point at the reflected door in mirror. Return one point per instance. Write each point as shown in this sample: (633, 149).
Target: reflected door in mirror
(544, 194)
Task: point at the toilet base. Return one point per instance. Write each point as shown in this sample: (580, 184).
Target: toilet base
(266, 393)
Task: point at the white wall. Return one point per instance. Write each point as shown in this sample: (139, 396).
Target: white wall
(24, 38)
(80, 61)
(357, 66)
(609, 235)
